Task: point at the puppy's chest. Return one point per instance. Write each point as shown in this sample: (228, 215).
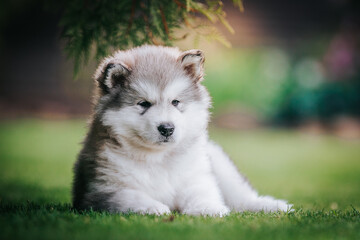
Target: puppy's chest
(160, 180)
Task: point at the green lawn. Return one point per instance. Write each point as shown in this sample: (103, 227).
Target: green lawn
(320, 175)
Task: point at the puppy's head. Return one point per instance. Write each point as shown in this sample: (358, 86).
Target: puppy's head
(152, 97)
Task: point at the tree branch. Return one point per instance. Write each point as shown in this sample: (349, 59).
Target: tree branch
(164, 22)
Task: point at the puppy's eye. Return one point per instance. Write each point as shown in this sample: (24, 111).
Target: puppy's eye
(175, 102)
(144, 104)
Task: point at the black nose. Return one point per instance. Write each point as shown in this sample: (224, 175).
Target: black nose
(166, 129)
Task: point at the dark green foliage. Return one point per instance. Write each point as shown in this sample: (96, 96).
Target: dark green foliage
(105, 25)
(324, 103)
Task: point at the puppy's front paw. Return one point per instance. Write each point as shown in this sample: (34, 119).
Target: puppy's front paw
(158, 209)
(212, 211)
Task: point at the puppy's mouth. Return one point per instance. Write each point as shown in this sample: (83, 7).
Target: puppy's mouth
(161, 141)
(166, 140)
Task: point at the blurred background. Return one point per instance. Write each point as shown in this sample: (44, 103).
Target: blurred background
(286, 100)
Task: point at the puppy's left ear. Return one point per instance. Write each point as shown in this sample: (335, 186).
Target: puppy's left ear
(192, 62)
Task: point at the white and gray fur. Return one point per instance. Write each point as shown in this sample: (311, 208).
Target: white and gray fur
(127, 165)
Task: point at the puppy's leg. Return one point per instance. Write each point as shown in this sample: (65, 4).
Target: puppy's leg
(237, 192)
(201, 196)
(136, 201)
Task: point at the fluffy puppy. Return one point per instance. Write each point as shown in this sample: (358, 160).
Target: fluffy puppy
(147, 150)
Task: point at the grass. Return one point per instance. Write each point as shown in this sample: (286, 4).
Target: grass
(319, 174)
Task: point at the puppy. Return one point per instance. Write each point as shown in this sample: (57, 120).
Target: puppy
(147, 150)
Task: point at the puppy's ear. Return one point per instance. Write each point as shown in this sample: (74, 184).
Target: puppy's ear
(110, 75)
(192, 62)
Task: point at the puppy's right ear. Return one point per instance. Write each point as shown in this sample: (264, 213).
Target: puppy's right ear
(110, 75)
(192, 62)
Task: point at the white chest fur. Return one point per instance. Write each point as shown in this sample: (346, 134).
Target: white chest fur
(162, 176)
